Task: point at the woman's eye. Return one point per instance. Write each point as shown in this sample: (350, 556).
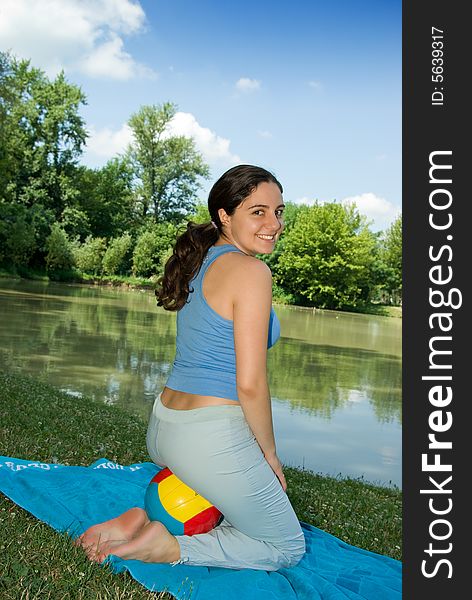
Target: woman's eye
(279, 213)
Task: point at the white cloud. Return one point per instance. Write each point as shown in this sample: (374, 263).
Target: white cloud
(265, 134)
(106, 143)
(83, 36)
(244, 84)
(212, 146)
(103, 144)
(380, 211)
(110, 57)
(316, 85)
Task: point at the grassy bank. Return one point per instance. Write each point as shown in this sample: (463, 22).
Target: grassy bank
(75, 276)
(39, 422)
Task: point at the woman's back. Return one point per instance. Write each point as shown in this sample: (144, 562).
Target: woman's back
(205, 362)
(219, 282)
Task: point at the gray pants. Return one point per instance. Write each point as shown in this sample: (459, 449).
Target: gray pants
(213, 450)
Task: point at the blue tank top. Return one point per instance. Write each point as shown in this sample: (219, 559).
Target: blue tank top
(205, 360)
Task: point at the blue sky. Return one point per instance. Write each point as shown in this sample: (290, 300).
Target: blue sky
(310, 90)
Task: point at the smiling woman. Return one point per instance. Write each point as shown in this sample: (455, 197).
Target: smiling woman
(212, 423)
(246, 208)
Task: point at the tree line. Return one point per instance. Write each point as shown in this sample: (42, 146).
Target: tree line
(59, 216)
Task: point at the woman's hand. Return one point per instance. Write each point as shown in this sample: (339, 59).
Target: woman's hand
(276, 466)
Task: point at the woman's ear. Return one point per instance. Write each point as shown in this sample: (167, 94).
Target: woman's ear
(224, 217)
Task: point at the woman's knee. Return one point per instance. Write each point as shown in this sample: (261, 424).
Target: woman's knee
(293, 552)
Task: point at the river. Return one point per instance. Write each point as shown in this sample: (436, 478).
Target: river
(335, 378)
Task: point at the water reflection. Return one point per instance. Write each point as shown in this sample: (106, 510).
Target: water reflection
(321, 378)
(335, 378)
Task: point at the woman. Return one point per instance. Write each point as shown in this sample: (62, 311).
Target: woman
(212, 423)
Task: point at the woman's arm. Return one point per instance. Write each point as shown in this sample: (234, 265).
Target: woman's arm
(251, 312)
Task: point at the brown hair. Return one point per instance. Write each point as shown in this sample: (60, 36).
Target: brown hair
(234, 186)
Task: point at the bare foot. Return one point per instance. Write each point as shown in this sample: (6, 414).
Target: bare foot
(153, 544)
(123, 528)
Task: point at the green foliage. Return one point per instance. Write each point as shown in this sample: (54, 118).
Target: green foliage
(391, 253)
(327, 257)
(23, 233)
(152, 249)
(41, 136)
(6, 100)
(146, 255)
(42, 220)
(21, 242)
(200, 213)
(75, 223)
(280, 296)
(59, 254)
(17, 235)
(117, 256)
(89, 255)
(291, 212)
(106, 196)
(166, 167)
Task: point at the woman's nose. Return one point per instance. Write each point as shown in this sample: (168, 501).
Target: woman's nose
(274, 222)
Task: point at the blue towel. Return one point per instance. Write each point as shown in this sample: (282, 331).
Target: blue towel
(71, 499)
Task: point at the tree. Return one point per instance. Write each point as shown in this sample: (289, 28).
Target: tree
(106, 197)
(291, 212)
(167, 167)
(391, 252)
(23, 232)
(152, 249)
(200, 213)
(59, 254)
(89, 255)
(41, 139)
(42, 135)
(75, 223)
(6, 101)
(117, 257)
(327, 257)
(17, 236)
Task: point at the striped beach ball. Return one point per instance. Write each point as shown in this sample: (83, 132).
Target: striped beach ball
(182, 510)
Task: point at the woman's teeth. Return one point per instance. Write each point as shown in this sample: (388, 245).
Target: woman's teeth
(265, 237)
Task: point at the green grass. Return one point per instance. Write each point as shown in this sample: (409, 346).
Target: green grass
(39, 422)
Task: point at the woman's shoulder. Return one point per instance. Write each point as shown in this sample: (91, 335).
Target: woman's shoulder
(248, 273)
(249, 266)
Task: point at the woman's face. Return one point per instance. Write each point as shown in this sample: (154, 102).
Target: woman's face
(257, 222)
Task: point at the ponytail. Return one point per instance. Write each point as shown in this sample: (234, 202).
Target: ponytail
(189, 251)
